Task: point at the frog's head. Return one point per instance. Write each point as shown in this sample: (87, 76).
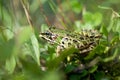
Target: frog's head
(49, 36)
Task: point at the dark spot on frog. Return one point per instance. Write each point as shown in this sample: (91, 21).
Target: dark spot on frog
(63, 42)
(69, 43)
(50, 38)
(81, 38)
(97, 36)
(91, 36)
(75, 41)
(85, 42)
(66, 39)
(91, 39)
(62, 47)
(70, 39)
(86, 35)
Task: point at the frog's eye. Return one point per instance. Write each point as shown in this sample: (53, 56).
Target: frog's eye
(47, 33)
(49, 36)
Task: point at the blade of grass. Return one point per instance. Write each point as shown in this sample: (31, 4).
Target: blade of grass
(53, 64)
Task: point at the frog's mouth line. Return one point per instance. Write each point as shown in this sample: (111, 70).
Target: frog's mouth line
(52, 41)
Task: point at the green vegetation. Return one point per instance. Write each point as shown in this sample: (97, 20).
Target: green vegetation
(25, 56)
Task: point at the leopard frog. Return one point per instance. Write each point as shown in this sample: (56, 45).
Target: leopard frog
(84, 41)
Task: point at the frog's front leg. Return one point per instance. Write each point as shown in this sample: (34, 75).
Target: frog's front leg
(59, 49)
(64, 44)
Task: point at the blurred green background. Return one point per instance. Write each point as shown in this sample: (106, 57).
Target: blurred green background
(23, 55)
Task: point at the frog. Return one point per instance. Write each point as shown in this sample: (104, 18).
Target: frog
(84, 40)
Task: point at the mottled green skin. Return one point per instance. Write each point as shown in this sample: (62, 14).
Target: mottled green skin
(84, 41)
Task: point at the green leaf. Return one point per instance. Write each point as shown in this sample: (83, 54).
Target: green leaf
(76, 6)
(93, 69)
(104, 7)
(104, 30)
(99, 75)
(97, 18)
(116, 26)
(44, 27)
(87, 16)
(115, 39)
(6, 49)
(24, 34)
(93, 63)
(31, 48)
(111, 57)
(6, 33)
(60, 58)
(6, 16)
(10, 64)
(52, 75)
(21, 37)
(69, 68)
(115, 22)
(31, 70)
(93, 19)
(98, 50)
(35, 46)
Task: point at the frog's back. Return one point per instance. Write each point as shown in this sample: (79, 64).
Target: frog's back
(85, 40)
